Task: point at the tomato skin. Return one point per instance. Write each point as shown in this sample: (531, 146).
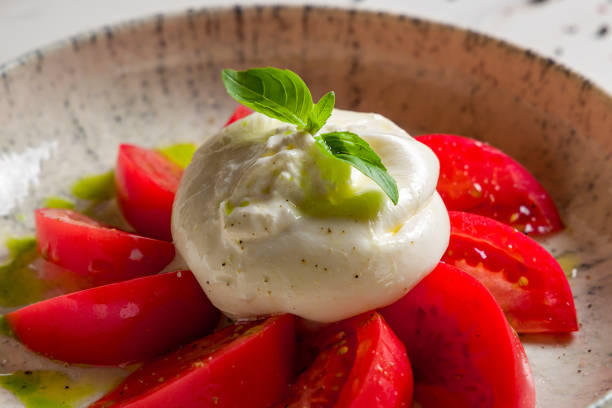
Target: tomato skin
(463, 352)
(381, 374)
(97, 252)
(524, 278)
(146, 183)
(240, 112)
(478, 178)
(117, 323)
(360, 364)
(244, 365)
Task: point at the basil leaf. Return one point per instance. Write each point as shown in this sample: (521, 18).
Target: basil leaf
(321, 112)
(349, 147)
(283, 95)
(277, 93)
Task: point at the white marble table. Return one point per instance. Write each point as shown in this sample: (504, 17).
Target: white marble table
(578, 33)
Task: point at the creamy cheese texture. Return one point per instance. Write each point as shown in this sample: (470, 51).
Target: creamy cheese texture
(269, 223)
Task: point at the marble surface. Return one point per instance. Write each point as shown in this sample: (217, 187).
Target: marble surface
(577, 33)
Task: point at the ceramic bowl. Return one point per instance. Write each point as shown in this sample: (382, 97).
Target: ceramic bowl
(65, 109)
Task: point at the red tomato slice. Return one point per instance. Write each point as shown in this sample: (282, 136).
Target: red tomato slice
(89, 248)
(240, 112)
(463, 352)
(245, 365)
(117, 323)
(146, 184)
(524, 278)
(361, 363)
(480, 179)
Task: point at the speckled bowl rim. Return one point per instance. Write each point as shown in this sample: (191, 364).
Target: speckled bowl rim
(110, 29)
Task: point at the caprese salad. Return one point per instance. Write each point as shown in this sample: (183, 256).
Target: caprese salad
(331, 260)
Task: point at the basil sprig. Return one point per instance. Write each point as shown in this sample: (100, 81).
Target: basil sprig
(283, 95)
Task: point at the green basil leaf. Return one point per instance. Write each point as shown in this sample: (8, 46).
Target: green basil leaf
(283, 95)
(277, 93)
(349, 147)
(321, 112)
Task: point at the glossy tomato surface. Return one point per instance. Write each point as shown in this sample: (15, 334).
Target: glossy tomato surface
(524, 278)
(360, 363)
(99, 253)
(240, 112)
(481, 179)
(244, 365)
(462, 350)
(146, 183)
(117, 323)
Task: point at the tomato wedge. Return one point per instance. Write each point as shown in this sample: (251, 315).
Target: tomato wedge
(524, 278)
(480, 179)
(146, 184)
(240, 112)
(463, 352)
(117, 323)
(361, 363)
(100, 253)
(245, 365)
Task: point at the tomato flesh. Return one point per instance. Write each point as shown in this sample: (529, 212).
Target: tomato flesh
(361, 363)
(91, 249)
(319, 386)
(117, 323)
(146, 183)
(463, 352)
(524, 278)
(244, 365)
(240, 112)
(478, 178)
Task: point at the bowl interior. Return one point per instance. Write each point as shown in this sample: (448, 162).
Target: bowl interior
(65, 110)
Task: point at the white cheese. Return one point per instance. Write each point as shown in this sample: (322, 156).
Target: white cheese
(269, 224)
